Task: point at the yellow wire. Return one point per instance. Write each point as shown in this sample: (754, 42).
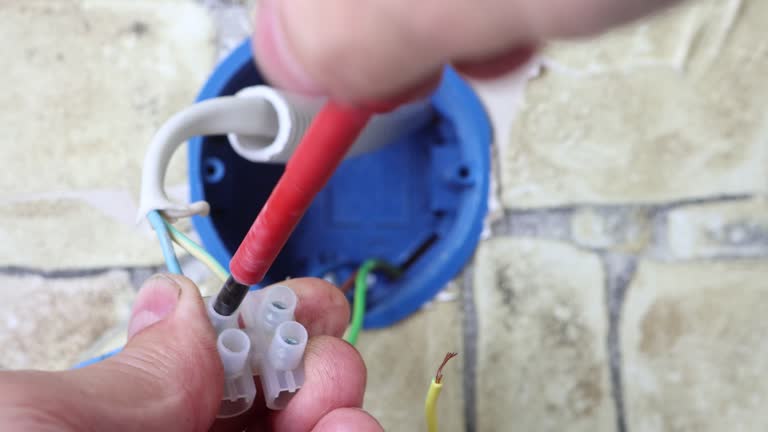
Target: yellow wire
(430, 405)
(197, 251)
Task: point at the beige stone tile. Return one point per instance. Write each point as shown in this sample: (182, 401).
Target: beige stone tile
(402, 360)
(48, 323)
(718, 229)
(542, 358)
(694, 347)
(88, 83)
(623, 132)
(112, 339)
(666, 40)
(620, 230)
(55, 234)
(116, 337)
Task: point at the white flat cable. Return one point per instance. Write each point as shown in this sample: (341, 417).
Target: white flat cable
(263, 125)
(217, 116)
(295, 113)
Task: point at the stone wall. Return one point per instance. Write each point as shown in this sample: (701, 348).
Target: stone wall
(625, 271)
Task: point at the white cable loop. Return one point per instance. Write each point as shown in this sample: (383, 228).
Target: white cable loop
(219, 116)
(263, 125)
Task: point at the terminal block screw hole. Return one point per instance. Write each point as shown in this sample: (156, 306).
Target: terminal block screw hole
(214, 170)
(234, 341)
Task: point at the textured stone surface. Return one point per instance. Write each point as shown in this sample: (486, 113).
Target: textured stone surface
(234, 22)
(694, 347)
(666, 110)
(403, 359)
(66, 233)
(542, 358)
(48, 323)
(113, 339)
(690, 123)
(89, 83)
(718, 229)
(666, 41)
(625, 230)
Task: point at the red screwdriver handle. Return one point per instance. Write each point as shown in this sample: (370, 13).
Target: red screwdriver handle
(321, 150)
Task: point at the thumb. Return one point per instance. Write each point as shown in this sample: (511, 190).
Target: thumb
(168, 377)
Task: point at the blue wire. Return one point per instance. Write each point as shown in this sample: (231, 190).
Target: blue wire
(158, 224)
(96, 359)
(165, 241)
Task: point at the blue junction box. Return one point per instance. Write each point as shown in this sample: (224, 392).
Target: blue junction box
(429, 188)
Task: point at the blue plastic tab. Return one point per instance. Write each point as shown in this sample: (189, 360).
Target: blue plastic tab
(430, 187)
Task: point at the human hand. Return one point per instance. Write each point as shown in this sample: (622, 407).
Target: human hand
(169, 377)
(371, 50)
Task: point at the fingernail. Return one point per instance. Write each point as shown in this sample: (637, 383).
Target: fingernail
(156, 300)
(274, 55)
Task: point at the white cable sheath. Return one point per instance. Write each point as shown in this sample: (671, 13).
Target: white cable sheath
(295, 113)
(217, 116)
(263, 125)
(383, 129)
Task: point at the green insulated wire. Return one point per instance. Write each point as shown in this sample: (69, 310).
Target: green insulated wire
(361, 287)
(197, 251)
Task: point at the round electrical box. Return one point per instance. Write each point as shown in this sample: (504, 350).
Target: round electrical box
(418, 202)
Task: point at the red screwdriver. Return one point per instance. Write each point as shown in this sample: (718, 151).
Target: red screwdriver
(321, 150)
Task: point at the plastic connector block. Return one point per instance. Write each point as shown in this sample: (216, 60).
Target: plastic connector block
(260, 339)
(234, 347)
(268, 316)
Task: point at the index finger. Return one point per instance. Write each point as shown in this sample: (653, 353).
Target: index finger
(335, 378)
(322, 308)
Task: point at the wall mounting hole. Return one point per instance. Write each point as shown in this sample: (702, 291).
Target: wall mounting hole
(463, 172)
(213, 170)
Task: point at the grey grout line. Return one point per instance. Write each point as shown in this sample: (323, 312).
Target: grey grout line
(545, 223)
(140, 274)
(660, 205)
(555, 224)
(619, 272)
(550, 223)
(232, 20)
(58, 273)
(469, 328)
(136, 274)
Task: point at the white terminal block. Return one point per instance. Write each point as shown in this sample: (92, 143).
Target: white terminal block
(218, 321)
(260, 338)
(268, 315)
(234, 348)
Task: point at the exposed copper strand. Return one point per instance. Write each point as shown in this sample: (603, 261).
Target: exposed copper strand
(439, 374)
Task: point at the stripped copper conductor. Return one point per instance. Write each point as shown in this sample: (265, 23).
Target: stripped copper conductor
(439, 374)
